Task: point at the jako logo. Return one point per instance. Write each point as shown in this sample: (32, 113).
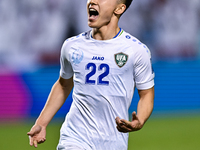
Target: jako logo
(97, 58)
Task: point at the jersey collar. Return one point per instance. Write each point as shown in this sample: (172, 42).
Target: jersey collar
(118, 34)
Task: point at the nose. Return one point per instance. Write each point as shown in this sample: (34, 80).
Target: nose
(92, 2)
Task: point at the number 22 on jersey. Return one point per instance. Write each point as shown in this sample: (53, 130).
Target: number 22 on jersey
(94, 68)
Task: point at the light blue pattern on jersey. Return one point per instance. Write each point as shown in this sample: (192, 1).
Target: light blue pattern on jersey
(77, 56)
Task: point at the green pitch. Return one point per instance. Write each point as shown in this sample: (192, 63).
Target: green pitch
(178, 133)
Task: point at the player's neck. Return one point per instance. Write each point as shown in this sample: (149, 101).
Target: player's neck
(105, 32)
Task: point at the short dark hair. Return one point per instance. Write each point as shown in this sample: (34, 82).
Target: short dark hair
(128, 3)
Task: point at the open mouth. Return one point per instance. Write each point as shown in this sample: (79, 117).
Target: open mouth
(93, 13)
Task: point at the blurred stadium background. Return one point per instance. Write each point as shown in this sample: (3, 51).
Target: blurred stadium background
(32, 33)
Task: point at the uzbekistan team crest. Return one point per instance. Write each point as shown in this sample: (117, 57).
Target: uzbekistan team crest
(121, 59)
(77, 56)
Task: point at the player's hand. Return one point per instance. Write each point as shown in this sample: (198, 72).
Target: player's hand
(37, 135)
(127, 126)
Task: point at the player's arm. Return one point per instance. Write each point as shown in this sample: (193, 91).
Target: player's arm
(144, 110)
(59, 93)
(145, 105)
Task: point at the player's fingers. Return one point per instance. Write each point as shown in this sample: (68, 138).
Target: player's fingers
(134, 116)
(119, 123)
(34, 130)
(120, 129)
(117, 119)
(35, 143)
(123, 129)
(30, 133)
(42, 140)
(30, 140)
(125, 122)
(130, 126)
(122, 125)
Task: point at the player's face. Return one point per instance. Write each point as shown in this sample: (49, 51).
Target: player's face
(100, 12)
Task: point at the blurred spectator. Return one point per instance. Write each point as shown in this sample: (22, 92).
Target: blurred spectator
(139, 19)
(80, 14)
(176, 25)
(32, 32)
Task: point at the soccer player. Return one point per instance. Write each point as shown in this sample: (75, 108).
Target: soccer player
(103, 66)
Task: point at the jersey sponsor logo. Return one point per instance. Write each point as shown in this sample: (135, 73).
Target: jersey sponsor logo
(77, 56)
(97, 58)
(121, 59)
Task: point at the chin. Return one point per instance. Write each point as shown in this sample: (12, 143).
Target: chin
(92, 25)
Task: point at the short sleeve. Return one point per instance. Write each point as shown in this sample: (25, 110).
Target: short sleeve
(66, 70)
(143, 71)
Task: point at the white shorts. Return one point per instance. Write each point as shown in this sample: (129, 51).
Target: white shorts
(67, 143)
(68, 147)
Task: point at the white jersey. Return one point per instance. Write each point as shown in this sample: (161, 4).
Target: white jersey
(105, 74)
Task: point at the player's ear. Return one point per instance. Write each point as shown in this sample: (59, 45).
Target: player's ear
(120, 9)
